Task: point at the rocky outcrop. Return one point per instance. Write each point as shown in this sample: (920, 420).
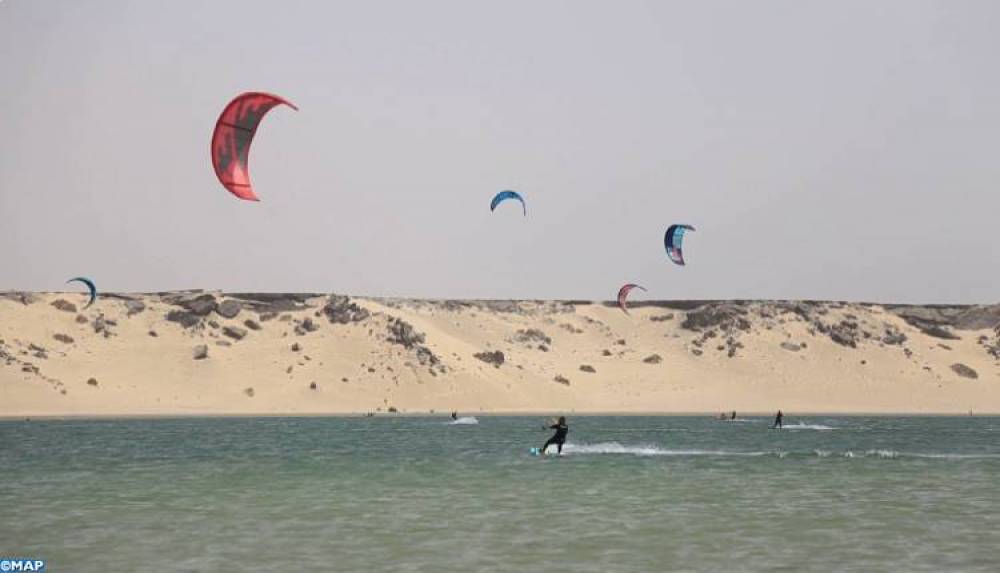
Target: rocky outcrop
(340, 310)
(200, 305)
(229, 308)
(185, 318)
(721, 315)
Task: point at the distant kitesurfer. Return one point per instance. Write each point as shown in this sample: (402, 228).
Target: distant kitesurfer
(777, 420)
(733, 417)
(454, 415)
(559, 438)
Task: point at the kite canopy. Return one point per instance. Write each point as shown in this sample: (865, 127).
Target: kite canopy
(503, 196)
(90, 285)
(231, 140)
(673, 240)
(623, 294)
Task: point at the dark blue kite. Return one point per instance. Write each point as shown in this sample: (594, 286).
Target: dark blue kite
(90, 285)
(503, 196)
(673, 240)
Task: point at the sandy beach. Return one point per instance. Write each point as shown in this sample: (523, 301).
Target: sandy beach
(209, 353)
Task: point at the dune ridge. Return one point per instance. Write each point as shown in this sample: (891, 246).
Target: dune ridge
(214, 353)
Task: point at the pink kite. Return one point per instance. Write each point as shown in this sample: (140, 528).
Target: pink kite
(231, 140)
(623, 294)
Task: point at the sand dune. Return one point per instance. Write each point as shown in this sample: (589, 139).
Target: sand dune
(311, 354)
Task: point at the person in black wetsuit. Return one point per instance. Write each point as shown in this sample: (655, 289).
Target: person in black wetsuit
(559, 438)
(777, 420)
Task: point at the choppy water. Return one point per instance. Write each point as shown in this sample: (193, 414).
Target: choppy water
(422, 494)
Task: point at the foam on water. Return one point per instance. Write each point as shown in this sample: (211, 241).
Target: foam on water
(801, 426)
(464, 421)
(646, 450)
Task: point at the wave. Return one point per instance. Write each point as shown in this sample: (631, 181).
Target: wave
(464, 421)
(646, 450)
(801, 426)
(615, 448)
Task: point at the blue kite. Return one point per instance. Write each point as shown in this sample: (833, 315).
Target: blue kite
(503, 196)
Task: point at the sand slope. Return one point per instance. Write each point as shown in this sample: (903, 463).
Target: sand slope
(417, 356)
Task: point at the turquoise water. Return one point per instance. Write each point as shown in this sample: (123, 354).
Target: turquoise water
(419, 494)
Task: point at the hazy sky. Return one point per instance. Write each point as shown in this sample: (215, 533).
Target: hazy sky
(839, 149)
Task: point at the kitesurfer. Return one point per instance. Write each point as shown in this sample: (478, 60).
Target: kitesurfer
(454, 415)
(777, 420)
(559, 438)
(733, 417)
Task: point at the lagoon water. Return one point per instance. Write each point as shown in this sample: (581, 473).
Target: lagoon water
(422, 494)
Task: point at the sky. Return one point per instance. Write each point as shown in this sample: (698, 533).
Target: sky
(823, 150)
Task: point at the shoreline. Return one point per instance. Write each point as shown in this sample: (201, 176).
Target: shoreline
(506, 414)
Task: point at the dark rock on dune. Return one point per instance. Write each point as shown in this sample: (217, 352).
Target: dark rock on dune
(620, 342)
(185, 318)
(606, 352)
(403, 333)
(696, 351)
(425, 356)
(64, 338)
(153, 333)
(213, 324)
(103, 326)
(64, 305)
(38, 351)
(653, 359)
(791, 346)
(266, 316)
(561, 380)
(92, 381)
(587, 368)
(133, 306)
(893, 337)
(80, 319)
(340, 310)
(844, 333)
(223, 343)
(543, 348)
(201, 305)
(662, 318)
(229, 308)
(200, 352)
(234, 332)
(496, 358)
(570, 328)
(249, 392)
(306, 326)
(964, 371)
(944, 346)
(251, 324)
(296, 347)
(312, 385)
(531, 336)
(392, 410)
